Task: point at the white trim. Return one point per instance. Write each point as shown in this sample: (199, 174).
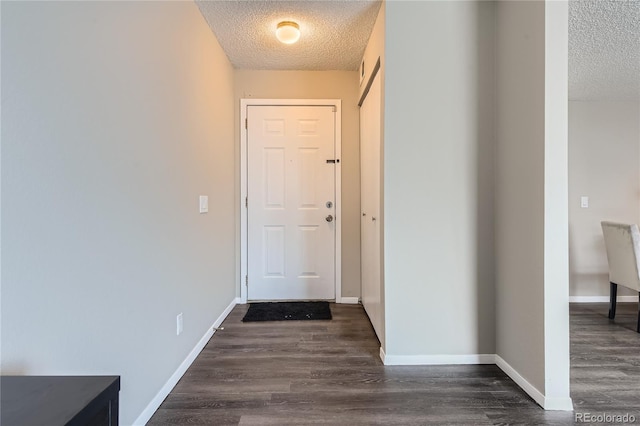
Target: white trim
(244, 103)
(348, 300)
(558, 404)
(337, 103)
(155, 403)
(555, 206)
(243, 206)
(383, 356)
(438, 359)
(600, 299)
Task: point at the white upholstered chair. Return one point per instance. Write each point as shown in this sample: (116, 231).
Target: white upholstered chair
(623, 253)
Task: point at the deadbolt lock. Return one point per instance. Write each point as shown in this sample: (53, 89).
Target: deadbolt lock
(329, 204)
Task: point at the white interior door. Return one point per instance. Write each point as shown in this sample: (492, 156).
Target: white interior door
(291, 202)
(370, 165)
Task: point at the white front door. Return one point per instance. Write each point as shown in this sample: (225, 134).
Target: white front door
(291, 202)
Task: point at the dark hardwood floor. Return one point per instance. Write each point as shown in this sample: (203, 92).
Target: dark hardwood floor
(605, 359)
(329, 372)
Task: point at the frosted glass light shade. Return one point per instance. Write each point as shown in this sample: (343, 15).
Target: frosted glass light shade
(288, 32)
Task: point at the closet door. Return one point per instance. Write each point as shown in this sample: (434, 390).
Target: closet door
(371, 253)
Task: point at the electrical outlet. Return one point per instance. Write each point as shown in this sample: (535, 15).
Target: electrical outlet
(179, 324)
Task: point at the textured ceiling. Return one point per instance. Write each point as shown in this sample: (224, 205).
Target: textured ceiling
(333, 33)
(604, 39)
(604, 49)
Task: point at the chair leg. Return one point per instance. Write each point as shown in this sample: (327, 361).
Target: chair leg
(638, 327)
(613, 290)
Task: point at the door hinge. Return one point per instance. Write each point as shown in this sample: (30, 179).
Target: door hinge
(246, 280)
(246, 201)
(246, 123)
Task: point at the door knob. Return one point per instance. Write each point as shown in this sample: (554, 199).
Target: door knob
(329, 218)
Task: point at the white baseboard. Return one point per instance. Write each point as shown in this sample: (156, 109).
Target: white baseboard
(151, 408)
(350, 300)
(600, 299)
(382, 355)
(437, 359)
(557, 404)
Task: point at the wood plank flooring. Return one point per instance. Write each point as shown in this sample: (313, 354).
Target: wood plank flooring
(329, 372)
(605, 359)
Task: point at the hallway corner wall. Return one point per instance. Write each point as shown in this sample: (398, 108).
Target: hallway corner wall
(532, 305)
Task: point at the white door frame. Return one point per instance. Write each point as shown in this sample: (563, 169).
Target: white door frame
(244, 103)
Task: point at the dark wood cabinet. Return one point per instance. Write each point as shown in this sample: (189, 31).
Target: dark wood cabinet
(59, 400)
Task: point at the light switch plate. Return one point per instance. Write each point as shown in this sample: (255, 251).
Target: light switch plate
(179, 325)
(584, 202)
(204, 204)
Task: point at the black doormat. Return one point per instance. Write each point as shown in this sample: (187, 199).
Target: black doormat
(285, 311)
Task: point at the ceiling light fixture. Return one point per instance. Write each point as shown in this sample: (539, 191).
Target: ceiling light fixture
(288, 32)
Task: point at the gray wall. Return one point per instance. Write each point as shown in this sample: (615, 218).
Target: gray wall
(116, 116)
(604, 164)
(520, 187)
(438, 178)
(531, 196)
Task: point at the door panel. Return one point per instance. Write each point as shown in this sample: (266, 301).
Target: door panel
(274, 187)
(274, 251)
(291, 245)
